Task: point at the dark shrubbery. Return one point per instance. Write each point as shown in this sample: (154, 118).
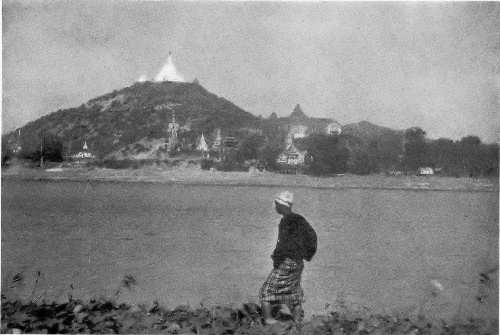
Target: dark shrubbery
(328, 154)
(107, 316)
(346, 153)
(251, 147)
(268, 156)
(48, 146)
(230, 165)
(6, 152)
(363, 164)
(467, 157)
(139, 163)
(207, 164)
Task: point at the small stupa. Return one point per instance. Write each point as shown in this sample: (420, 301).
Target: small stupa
(173, 130)
(202, 145)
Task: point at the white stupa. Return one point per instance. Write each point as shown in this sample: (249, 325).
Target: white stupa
(168, 72)
(142, 78)
(202, 145)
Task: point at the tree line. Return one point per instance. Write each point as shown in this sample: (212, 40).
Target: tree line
(334, 154)
(389, 153)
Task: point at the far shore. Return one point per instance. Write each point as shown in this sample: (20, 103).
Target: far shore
(196, 176)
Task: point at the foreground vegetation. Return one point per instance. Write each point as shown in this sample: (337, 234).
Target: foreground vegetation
(107, 316)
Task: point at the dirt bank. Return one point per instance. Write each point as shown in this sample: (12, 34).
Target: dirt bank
(196, 176)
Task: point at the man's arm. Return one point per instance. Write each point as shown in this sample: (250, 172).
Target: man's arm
(276, 255)
(309, 241)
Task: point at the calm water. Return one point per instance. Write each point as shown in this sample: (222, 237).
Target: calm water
(211, 244)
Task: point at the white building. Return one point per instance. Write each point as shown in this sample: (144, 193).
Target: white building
(425, 171)
(333, 128)
(292, 156)
(298, 131)
(84, 154)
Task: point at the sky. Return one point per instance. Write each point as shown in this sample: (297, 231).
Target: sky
(399, 64)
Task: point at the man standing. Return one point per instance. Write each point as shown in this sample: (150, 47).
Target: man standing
(297, 241)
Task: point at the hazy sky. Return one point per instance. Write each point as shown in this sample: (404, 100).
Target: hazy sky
(433, 65)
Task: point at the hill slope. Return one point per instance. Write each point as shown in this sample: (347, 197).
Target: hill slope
(137, 113)
(369, 132)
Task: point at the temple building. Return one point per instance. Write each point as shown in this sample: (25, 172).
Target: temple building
(85, 154)
(203, 147)
(292, 156)
(299, 125)
(202, 144)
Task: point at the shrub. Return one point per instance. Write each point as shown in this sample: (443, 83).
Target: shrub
(230, 165)
(328, 154)
(206, 164)
(107, 316)
(50, 146)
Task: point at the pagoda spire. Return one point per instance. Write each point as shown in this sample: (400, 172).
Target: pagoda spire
(202, 145)
(173, 128)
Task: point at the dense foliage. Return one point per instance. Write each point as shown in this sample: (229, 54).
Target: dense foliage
(467, 157)
(107, 316)
(327, 154)
(389, 152)
(46, 145)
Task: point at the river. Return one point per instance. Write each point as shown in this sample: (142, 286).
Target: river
(187, 244)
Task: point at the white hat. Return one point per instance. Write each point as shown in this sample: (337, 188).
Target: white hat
(285, 198)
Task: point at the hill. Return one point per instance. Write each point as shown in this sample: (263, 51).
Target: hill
(368, 132)
(138, 114)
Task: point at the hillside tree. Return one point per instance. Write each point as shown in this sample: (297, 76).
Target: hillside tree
(415, 154)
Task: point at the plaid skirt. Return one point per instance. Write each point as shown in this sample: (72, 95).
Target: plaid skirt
(282, 286)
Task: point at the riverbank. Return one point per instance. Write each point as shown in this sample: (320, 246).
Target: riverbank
(107, 316)
(196, 176)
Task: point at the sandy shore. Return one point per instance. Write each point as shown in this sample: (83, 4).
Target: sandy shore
(196, 176)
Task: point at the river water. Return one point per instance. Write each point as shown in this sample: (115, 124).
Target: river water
(378, 249)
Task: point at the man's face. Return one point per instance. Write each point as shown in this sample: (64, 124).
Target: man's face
(280, 209)
(276, 207)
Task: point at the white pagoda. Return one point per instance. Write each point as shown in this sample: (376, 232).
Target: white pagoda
(85, 153)
(168, 72)
(202, 145)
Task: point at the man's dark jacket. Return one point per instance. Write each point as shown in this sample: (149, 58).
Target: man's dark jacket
(296, 240)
